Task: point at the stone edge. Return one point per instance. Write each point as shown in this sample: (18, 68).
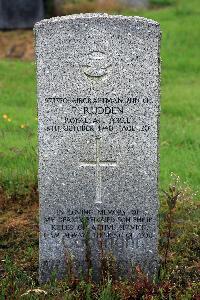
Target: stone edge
(94, 15)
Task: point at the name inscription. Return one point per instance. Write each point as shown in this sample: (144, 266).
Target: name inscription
(99, 114)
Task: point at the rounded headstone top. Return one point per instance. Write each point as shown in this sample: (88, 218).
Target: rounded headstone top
(95, 16)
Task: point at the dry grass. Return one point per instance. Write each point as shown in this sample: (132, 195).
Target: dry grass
(17, 44)
(177, 278)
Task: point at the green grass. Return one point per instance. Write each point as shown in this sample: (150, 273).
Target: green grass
(180, 94)
(180, 91)
(18, 163)
(162, 2)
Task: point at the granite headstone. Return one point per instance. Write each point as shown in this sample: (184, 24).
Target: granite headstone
(16, 14)
(98, 110)
(135, 3)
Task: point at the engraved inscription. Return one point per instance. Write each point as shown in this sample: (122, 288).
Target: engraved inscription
(115, 226)
(97, 65)
(88, 113)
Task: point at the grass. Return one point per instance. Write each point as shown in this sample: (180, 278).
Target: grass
(180, 91)
(18, 126)
(179, 153)
(180, 109)
(178, 277)
(162, 2)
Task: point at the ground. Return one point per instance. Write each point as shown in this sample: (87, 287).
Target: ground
(18, 44)
(180, 109)
(179, 153)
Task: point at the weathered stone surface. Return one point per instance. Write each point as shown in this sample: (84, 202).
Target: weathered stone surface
(16, 14)
(98, 103)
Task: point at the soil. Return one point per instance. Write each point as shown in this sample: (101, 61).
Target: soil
(17, 44)
(19, 230)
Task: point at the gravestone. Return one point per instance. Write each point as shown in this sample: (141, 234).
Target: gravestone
(98, 110)
(138, 4)
(15, 14)
(135, 3)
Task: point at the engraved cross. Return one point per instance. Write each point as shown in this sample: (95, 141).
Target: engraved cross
(98, 164)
